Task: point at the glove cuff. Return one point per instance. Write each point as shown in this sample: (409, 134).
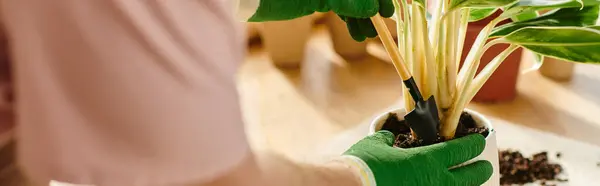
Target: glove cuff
(362, 169)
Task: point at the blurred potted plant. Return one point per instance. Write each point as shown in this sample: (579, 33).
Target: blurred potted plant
(285, 41)
(556, 69)
(342, 42)
(431, 47)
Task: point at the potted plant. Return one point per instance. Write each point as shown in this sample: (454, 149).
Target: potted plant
(342, 42)
(429, 44)
(557, 69)
(285, 41)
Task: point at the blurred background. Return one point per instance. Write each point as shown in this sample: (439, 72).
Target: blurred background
(310, 82)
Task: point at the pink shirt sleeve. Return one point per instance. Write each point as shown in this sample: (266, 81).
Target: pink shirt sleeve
(126, 92)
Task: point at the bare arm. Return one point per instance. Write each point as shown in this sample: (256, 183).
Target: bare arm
(147, 88)
(273, 170)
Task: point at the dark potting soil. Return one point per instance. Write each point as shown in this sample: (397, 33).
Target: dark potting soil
(404, 139)
(517, 169)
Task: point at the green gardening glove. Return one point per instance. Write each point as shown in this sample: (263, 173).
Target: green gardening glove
(384, 165)
(356, 13)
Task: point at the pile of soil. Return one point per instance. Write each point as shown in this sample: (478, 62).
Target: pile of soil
(404, 138)
(516, 169)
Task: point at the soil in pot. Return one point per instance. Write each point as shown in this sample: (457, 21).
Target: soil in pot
(404, 138)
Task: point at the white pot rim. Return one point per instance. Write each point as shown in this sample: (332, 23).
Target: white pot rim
(479, 118)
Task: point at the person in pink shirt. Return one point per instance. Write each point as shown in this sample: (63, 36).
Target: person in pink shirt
(142, 93)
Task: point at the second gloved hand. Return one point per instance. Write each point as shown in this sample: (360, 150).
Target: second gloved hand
(356, 13)
(384, 165)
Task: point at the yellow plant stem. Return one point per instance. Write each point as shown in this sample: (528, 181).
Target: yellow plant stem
(447, 69)
(475, 52)
(457, 45)
(428, 54)
(453, 67)
(451, 34)
(437, 18)
(419, 64)
(407, 33)
(442, 73)
(446, 59)
(408, 102)
(446, 39)
(451, 122)
(487, 71)
(402, 43)
(400, 27)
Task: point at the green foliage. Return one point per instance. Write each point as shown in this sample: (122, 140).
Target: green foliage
(456, 4)
(560, 17)
(568, 31)
(577, 44)
(525, 16)
(535, 5)
(476, 14)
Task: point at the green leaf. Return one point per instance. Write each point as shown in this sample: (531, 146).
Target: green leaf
(534, 5)
(577, 44)
(525, 16)
(476, 14)
(596, 27)
(580, 2)
(455, 4)
(545, 4)
(561, 17)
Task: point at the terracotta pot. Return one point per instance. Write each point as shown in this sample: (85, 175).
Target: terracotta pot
(285, 41)
(557, 69)
(490, 152)
(502, 85)
(343, 44)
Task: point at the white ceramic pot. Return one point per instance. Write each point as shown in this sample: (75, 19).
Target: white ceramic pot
(490, 153)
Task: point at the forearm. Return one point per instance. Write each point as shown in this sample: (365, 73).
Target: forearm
(269, 169)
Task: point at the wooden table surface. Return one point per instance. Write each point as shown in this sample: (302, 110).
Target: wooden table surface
(294, 111)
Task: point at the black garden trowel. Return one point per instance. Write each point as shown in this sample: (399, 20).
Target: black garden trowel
(424, 119)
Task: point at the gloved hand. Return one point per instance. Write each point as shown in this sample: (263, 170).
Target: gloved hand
(355, 13)
(428, 165)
